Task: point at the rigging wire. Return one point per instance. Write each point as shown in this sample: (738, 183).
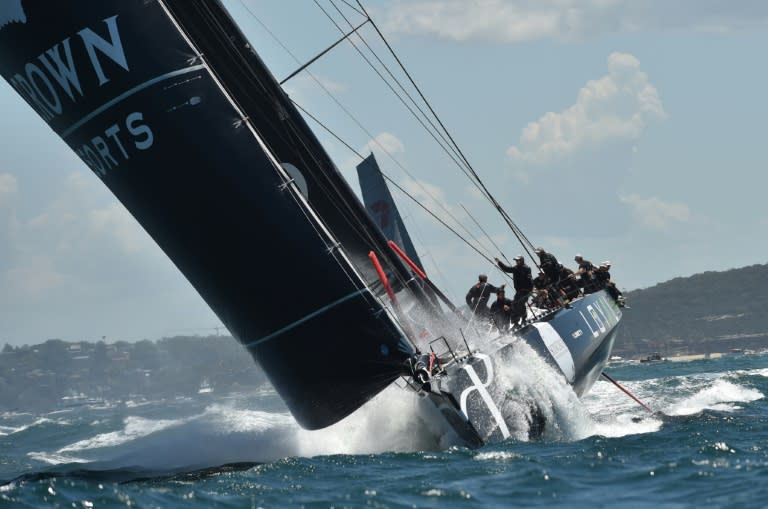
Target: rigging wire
(526, 243)
(389, 85)
(408, 173)
(484, 232)
(399, 187)
(360, 126)
(353, 8)
(451, 145)
(463, 164)
(436, 131)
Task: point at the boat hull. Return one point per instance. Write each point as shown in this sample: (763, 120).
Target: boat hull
(473, 396)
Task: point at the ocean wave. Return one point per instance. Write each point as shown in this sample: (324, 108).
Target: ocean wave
(722, 395)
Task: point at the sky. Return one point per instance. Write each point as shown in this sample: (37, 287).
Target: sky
(622, 130)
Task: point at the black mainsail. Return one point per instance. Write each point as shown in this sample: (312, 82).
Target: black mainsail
(170, 106)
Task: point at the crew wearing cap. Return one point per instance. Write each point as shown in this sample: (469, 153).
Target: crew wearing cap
(585, 273)
(549, 264)
(523, 281)
(603, 281)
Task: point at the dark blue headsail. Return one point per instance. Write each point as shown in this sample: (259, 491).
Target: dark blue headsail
(381, 206)
(169, 105)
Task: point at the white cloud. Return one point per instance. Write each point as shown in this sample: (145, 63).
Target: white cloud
(305, 86)
(385, 142)
(75, 221)
(308, 81)
(46, 252)
(656, 214)
(524, 20)
(33, 277)
(8, 186)
(424, 192)
(617, 106)
(433, 197)
(116, 222)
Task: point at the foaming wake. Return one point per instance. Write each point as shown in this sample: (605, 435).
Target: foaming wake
(231, 432)
(615, 415)
(538, 395)
(11, 430)
(723, 395)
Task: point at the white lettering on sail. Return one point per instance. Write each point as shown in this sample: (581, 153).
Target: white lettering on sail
(104, 153)
(23, 87)
(36, 83)
(87, 154)
(113, 49)
(136, 129)
(64, 74)
(43, 87)
(111, 132)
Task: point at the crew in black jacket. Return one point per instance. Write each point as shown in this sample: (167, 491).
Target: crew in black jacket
(477, 296)
(501, 311)
(523, 281)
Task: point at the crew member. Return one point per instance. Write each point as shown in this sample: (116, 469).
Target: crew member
(569, 287)
(603, 280)
(585, 273)
(523, 281)
(551, 267)
(477, 296)
(501, 311)
(549, 264)
(541, 286)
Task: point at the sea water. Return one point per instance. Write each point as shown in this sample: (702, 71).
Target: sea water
(706, 444)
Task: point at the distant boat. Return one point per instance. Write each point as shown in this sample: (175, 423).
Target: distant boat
(654, 357)
(172, 108)
(205, 387)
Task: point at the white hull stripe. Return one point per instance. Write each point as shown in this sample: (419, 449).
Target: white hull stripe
(558, 349)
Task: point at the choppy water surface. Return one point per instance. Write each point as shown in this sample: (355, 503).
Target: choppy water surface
(708, 445)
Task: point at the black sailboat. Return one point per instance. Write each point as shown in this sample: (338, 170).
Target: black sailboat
(172, 108)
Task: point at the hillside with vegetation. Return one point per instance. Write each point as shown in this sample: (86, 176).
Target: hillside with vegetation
(703, 313)
(60, 373)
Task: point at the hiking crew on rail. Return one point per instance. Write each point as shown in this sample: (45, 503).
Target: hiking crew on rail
(554, 286)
